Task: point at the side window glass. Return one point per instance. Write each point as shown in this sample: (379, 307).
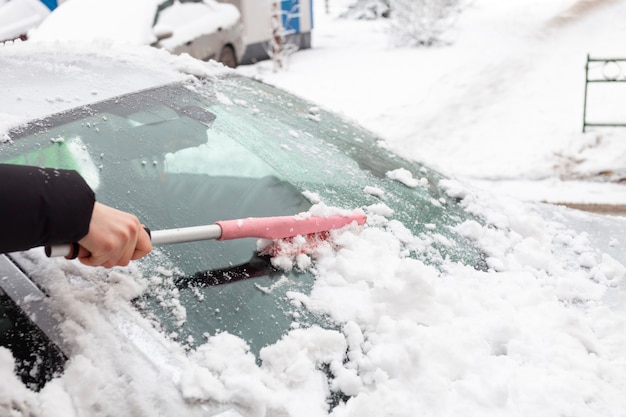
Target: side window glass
(37, 359)
(160, 8)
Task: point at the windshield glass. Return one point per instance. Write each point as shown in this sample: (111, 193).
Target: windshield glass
(187, 155)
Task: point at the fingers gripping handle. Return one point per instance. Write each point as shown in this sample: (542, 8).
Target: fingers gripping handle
(71, 250)
(158, 237)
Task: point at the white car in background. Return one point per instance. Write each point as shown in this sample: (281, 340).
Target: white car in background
(204, 29)
(17, 17)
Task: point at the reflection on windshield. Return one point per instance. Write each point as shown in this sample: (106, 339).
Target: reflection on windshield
(219, 156)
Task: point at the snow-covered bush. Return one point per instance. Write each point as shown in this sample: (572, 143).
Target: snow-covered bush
(413, 22)
(368, 9)
(422, 22)
(279, 49)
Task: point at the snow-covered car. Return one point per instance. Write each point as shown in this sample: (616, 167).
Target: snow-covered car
(17, 17)
(204, 29)
(371, 320)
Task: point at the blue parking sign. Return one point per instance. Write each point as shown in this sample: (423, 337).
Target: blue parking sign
(291, 15)
(50, 4)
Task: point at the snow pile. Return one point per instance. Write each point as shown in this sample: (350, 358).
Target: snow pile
(519, 339)
(530, 335)
(525, 337)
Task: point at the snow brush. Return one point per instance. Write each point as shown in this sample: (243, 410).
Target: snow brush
(271, 228)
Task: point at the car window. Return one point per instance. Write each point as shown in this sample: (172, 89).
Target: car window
(186, 155)
(162, 6)
(37, 359)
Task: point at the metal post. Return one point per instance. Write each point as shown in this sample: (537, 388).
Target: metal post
(585, 100)
(604, 77)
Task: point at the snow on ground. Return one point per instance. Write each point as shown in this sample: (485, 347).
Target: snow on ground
(501, 105)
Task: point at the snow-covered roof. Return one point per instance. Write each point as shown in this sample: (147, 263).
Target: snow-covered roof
(128, 21)
(17, 17)
(46, 75)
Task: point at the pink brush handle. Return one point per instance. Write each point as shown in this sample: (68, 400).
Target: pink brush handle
(286, 226)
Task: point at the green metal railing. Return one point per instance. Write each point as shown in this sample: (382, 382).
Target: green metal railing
(610, 70)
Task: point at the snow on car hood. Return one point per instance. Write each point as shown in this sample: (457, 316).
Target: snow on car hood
(524, 337)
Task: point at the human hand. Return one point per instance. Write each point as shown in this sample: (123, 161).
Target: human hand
(114, 238)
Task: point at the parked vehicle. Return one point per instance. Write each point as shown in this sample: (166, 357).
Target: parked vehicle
(17, 17)
(203, 29)
(293, 24)
(216, 327)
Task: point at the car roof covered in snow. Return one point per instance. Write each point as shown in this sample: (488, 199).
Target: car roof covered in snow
(39, 78)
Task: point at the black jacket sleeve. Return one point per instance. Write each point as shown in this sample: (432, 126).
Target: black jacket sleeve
(42, 206)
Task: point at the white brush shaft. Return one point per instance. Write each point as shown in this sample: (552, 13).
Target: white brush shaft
(186, 234)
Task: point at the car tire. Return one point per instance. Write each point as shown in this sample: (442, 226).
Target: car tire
(227, 56)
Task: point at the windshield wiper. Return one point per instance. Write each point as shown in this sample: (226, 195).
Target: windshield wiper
(257, 266)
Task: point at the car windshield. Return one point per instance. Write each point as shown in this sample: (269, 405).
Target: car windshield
(226, 148)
